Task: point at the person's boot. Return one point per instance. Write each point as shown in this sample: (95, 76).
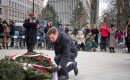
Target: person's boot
(75, 68)
(110, 49)
(105, 49)
(7, 47)
(4, 47)
(128, 50)
(113, 50)
(0, 47)
(94, 49)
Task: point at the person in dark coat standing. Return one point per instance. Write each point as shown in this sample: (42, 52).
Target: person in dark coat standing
(95, 32)
(65, 51)
(31, 25)
(48, 42)
(40, 34)
(12, 32)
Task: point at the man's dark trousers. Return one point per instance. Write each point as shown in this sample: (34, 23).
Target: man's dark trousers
(103, 42)
(65, 70)
(30, 47)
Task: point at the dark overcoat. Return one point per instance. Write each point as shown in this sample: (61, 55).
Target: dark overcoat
(30, 31)
(65, 47)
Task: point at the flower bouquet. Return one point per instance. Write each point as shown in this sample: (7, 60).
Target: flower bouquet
(31, 66)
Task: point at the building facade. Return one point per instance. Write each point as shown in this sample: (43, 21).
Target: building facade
(18, 9)
(65, 8)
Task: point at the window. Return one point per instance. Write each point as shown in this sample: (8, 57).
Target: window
(18, 6)
(9, 12)
(18, 14)
(12, 13)
(9, 3)
(15, 13)
(13, 4)
(0, 10)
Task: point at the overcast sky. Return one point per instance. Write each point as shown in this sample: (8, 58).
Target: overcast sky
(45, 1)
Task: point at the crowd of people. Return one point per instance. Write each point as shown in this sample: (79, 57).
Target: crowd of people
(65, 42)
(86, 39)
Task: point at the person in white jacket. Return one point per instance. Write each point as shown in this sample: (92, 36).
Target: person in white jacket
(80, 39)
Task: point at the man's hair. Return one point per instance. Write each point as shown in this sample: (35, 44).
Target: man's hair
(52, 30)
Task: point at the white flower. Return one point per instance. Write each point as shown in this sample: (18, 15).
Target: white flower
(14, 58)
(29, 65)
(25, 68)
(25, 64)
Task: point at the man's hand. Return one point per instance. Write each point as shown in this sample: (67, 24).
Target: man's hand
(54, 69)
(31, 21)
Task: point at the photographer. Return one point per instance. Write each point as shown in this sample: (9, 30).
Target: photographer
(31, 26)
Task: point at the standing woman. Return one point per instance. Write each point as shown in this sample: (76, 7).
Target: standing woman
(95, 32)
(112, 38)
(6, 31)
(104, 35)
(127, 35)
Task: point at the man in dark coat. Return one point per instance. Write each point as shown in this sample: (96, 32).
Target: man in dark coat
(31, 25)
(65, 51)
(12, 32)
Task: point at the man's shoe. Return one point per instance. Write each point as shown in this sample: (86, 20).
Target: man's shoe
(63, 77)
(75, 68)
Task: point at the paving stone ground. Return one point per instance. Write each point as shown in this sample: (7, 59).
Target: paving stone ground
(94, 65)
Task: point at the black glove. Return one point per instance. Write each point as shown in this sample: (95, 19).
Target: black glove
(54, 69)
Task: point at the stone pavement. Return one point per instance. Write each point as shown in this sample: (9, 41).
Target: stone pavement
(94, 65)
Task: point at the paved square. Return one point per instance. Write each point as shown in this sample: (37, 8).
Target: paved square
(94, 65)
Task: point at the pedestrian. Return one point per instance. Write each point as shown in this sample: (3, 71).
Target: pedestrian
(65, 51)
(80, 39)
(31, 25)
(119, 36)
(60, 28)
(90, 43)
(112, 43)
(67, 30)
(12, 32)
(104, 35)
(95, 32)
(6, 34)
(48, 42)
(87, 30)
(127, 35)
(75, 31)
(40, 34)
